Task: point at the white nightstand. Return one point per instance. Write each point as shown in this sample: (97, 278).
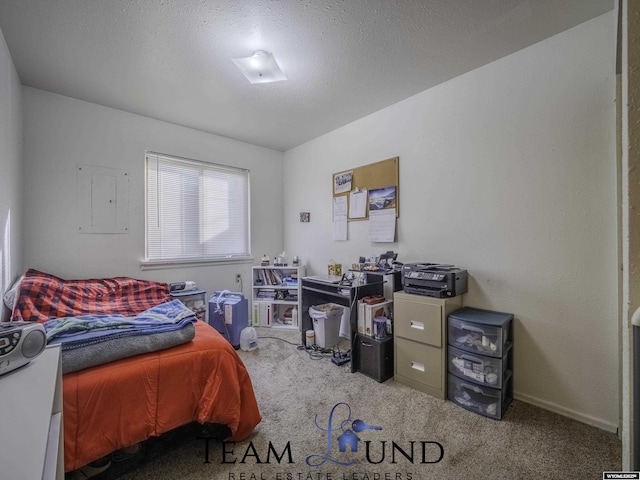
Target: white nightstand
(32, 439)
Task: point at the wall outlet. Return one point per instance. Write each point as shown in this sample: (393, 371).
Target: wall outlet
(238, 278)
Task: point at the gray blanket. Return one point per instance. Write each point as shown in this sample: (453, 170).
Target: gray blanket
(119, 348)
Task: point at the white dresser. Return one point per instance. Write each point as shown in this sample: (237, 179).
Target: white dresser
(31, 438)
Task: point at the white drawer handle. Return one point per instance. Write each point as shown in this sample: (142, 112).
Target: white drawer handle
(417, 325)
(417, 366)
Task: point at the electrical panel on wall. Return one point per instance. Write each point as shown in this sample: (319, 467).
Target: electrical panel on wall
(102, 196)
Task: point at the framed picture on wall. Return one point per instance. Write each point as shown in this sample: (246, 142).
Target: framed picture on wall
(342, 182)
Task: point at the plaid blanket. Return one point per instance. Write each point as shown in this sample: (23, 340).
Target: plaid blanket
(42, 296)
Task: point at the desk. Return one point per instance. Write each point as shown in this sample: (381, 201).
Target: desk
(317, 292)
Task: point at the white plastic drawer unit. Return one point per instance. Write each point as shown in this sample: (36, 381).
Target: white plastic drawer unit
(490, 402)
(481, 331)
(479, 369)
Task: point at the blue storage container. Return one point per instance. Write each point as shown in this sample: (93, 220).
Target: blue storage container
(229, 315)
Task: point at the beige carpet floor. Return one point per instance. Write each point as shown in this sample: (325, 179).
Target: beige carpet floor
(302, 396)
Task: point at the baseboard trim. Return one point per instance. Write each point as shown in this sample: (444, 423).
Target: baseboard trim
(566, 412)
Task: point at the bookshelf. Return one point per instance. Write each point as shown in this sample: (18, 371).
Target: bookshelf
(276, 296)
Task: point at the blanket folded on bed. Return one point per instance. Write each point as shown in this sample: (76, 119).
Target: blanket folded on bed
(111, 349)
(78, 331)
(90, 340)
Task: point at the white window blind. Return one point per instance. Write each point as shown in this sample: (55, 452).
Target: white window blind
(195, 210)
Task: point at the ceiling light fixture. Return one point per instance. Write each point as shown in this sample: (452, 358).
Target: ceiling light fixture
(261, 67)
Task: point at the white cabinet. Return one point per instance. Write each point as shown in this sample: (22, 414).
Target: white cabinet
(32, 440)
(276, 296)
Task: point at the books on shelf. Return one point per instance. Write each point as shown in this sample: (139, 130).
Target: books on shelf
(366, 314)
(271, 276)
(266, 294)
(291, 296)
(276, 296)
(262, 314)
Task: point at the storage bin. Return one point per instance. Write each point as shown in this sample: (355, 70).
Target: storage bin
(194, 300)
(373, 357)
(479, 369)
(481, 331)
(487, 401)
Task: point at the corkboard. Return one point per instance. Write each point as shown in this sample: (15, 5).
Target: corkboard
(385, 173)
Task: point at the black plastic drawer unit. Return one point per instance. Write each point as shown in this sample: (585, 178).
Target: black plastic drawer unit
(480, 360)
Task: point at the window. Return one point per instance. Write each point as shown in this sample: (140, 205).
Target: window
(196, 211)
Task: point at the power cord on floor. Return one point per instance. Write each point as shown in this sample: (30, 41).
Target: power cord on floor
(281, 339)
(315, 352)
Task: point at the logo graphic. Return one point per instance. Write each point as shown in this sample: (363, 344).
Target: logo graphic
(345, 436)
(348, 441)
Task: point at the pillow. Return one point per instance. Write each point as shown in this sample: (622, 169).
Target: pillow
(11, 295)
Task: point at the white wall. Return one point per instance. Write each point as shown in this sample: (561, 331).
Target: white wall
(61, 133)
(11, 169)
(508, 171)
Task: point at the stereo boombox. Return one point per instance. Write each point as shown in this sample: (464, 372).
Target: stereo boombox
(20, 342)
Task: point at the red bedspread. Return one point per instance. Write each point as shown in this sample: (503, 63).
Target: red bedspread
(118, 404)
(42, 296)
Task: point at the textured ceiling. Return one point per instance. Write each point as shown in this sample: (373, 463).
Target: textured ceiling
(171, 59)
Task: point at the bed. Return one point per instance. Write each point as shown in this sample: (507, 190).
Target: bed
(128, 400)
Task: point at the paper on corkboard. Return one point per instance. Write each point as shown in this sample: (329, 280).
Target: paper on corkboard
(382, 174)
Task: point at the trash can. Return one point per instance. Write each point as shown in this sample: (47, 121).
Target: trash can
(326, 323)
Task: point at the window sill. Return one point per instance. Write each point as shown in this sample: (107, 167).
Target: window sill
(196, 262)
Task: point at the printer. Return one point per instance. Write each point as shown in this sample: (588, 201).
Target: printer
(434, 279)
